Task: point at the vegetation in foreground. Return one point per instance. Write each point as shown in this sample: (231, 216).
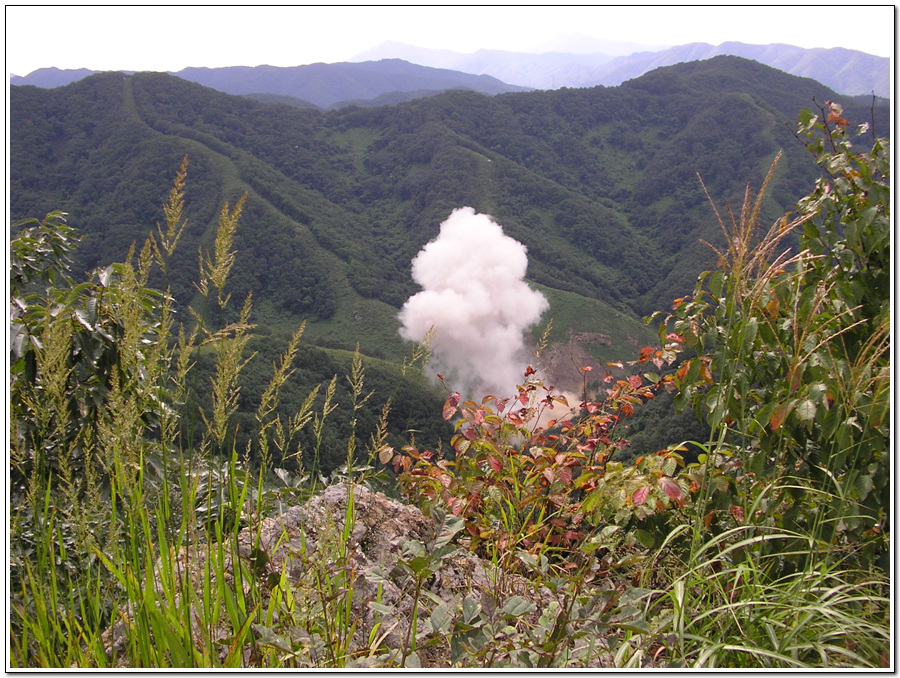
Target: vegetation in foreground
(769, 551)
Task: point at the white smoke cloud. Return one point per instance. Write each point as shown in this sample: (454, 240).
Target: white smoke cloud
(475, 298)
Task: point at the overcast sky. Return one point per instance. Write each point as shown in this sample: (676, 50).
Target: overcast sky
(171, 38)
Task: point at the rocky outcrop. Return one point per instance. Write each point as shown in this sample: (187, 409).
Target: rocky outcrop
(372, 568)
(383, 533)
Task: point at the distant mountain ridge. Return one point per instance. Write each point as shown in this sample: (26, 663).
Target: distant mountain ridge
(49, 78)
(323, 85)
(329, 84)
(845, 71)
(394, 72)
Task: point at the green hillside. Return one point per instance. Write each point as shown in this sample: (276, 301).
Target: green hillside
(600, 184)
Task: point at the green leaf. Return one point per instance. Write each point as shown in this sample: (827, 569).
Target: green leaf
(638, 626)
(470, 609)
(412, 548)
(443, 551)
(382, 609)
(106, 275)
(451, 526)
(645, 538)
(749, 334)
(516, 607)
(720, 482)
(266, 636)
(716, 284)
(420, 565)
(850, 234)
(527, 558)
(670, 465)
(864, 484)
(632, 595)
(805, 410)
(806, 119)
(440, 619)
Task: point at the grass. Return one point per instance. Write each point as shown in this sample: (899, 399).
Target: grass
(731, 612)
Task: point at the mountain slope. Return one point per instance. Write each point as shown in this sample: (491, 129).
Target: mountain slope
(600, 184)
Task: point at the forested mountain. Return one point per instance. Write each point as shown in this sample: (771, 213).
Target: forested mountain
(600, 184)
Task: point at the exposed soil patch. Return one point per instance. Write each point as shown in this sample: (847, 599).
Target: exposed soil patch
(562, 363)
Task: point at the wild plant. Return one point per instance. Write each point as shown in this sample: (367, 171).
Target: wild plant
(521, 485)
(131, 548)
(793, 364)
(727, 610)
(109, 537)
(787, 565)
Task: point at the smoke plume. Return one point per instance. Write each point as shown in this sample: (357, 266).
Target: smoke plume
(475, 298)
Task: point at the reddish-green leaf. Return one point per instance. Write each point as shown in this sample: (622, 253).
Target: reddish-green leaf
(515, 419)
(639, 496)
(671, 488)
(451, 405)
(778, 416)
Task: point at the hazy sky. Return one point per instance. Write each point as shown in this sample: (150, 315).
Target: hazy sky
(171, 38)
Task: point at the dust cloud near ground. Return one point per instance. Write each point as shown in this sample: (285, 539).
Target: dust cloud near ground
(476, 302)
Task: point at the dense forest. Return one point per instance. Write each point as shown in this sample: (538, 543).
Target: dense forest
(188, 375)
(600, 184)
